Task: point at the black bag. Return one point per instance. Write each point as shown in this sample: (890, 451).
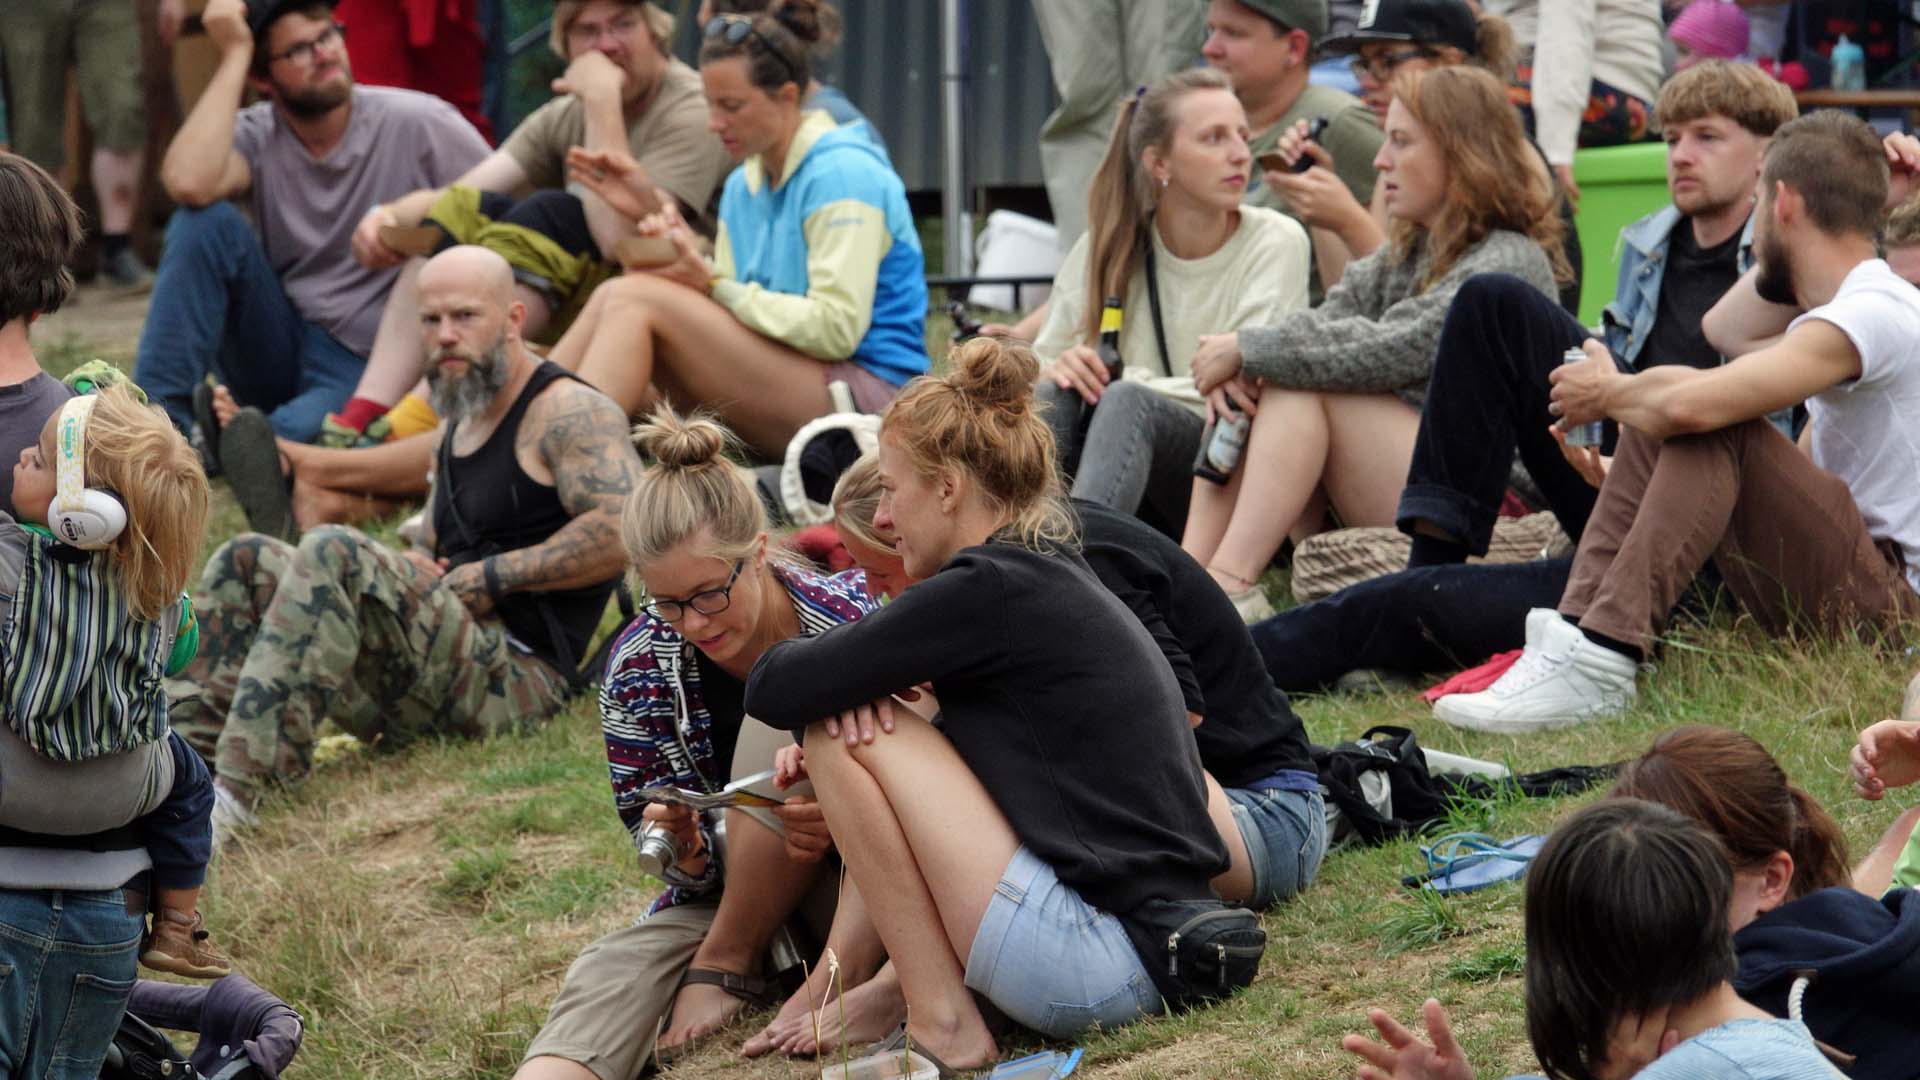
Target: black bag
(1196, 951)
(1417, 797)
(139, 1052)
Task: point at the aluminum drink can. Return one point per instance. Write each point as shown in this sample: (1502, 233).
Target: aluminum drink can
(1588, 434)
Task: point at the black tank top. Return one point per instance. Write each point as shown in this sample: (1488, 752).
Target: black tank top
(485, 504)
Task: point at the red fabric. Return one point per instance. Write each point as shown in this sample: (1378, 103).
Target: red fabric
(1513, 506)
(821, 545)
(433, 46)
(1474, 679)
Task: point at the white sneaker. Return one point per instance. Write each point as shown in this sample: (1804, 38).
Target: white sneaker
(1252, 604)
(1560, 679)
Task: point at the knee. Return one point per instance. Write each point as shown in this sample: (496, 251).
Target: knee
(205, 227)
(237, 560)
(331, 550)
(1495, 294)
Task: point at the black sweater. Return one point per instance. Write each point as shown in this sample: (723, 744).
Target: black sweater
(1056, 698)
(1247, 731)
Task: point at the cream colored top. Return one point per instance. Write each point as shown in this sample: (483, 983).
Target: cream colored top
(1255, 279)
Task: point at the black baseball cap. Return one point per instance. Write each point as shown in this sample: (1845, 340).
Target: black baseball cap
(1427, 22)
(262, 13)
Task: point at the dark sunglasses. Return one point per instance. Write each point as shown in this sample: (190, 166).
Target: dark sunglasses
(734, 29)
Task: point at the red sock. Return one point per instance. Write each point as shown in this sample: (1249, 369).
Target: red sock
(358, 412)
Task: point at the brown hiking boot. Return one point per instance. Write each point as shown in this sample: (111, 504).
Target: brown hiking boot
(178, 945)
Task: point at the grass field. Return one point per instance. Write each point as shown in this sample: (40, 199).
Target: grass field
(420, 907)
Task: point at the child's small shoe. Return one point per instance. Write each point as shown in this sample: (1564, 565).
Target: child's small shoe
(178, 945)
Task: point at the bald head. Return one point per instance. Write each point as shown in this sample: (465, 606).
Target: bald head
(473, 270)
(469, 328)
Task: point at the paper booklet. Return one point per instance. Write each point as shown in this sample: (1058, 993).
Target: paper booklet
(735, 794)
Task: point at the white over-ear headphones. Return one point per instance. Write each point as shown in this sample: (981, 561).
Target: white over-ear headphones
(81, 516)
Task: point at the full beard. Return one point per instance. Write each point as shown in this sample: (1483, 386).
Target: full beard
(1774, 281)
(459, 397)
(318, 102)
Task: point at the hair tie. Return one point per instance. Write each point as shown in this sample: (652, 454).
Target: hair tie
(1138, 93)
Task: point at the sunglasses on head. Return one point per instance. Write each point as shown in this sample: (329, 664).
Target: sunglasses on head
(734, 29)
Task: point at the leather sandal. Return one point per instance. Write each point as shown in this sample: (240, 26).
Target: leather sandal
(896, 1043)
(757, 992)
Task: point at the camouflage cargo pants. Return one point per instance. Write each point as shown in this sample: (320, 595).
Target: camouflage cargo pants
(341, 627)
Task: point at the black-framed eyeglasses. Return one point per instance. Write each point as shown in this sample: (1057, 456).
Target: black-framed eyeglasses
(302, 54)
(735, 28)
(1380, 68)
(706, 602)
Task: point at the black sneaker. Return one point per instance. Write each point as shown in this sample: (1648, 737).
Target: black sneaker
(125, 271)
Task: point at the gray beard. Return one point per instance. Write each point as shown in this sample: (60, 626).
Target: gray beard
(462, 397)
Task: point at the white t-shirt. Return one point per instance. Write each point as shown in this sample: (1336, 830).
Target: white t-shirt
(1257, 277)
(1866, 431)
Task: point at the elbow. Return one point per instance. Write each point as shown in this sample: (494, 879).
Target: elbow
(185, 190)
(1682, 417)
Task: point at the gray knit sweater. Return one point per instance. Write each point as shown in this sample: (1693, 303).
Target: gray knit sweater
(1373, 333)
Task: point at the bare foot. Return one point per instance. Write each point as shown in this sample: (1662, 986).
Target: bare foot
(795, 1014)
(224, 407)
(867, 1013)
(963, 1044)
(698, 1010)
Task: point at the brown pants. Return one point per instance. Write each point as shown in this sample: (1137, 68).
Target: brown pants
(1784, 533)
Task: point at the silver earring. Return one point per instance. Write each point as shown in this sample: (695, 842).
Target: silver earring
(1163, 182)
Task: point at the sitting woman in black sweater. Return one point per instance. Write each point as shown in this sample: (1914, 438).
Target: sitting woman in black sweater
(1019, 853)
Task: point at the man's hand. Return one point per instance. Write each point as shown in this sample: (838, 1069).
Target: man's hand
(426, 563)
(1078, 368)
(469, 582)
(168, 17)
(1400, 1055)
(226, 23)
(1579, 393)
(1216, 360)
(808, 840)
(592, 77)
(1634, 1044)
(1586, 460)
(616, 178)
(1886, 755)
(368, 249)
(1903, 163)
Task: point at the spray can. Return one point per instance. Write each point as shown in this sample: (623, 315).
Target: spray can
(1592, 433)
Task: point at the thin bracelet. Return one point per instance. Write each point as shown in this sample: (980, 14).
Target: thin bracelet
(491, 574)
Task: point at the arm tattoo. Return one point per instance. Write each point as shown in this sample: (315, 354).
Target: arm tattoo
(582, 436)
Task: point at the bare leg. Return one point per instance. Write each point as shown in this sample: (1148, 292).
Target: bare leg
(1875, 873)
(116, 178)
(641, 331)
(1235, 886)
(857, 952)
(1358, 445)
(1208, 513)
(763, 889)
(553, 1068)
(395, 470)
(927, 845)
(396, 360)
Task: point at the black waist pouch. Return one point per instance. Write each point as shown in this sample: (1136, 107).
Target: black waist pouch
(1196, 951)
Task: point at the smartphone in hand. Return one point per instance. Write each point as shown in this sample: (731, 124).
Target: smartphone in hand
(1274, 161)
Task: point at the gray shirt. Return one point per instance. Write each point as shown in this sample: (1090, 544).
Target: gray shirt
(24, 408)
(396, 142)
(40, 795)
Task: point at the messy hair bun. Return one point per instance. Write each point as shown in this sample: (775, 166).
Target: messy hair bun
(981, 419)
(689, 486)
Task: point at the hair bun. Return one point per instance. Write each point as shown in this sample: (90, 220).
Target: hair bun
(680, 442)
(809, 20)
(991, 372)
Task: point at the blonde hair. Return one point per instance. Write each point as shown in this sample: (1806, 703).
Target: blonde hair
(659, 24)
(856, 498)
(690, 487)
(135, 452)
(1121, 199)
(1494, 179)
(1902, 230)
(982, 418)
(1742, 93)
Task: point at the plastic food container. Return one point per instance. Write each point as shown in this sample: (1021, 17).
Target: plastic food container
(892, 1065)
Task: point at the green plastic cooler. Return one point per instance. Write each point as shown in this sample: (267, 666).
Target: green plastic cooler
(1619, 185)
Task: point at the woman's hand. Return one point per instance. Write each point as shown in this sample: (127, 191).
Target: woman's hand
(1216, 360)
(680, 821)
(856, 724)
(1588, 461)
(692, 268)
(617, 179)
(808, 840)
(1886, 755)
(1080, 370)
(789, 766)
(1400, 1055)
(1903, 163)
(1243, 393)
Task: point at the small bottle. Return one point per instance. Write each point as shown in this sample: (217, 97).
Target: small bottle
(1591, 433)
(1109, 347)
(1849, 65)
(1221, 443)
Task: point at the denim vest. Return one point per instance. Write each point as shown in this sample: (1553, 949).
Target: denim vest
(1628, 320)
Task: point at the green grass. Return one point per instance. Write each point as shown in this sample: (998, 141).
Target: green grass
(420, 908)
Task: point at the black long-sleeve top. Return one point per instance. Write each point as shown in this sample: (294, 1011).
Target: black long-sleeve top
(1248, 731)
(1053, 694)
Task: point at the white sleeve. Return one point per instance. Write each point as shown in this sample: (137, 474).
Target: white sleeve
(1881, 322)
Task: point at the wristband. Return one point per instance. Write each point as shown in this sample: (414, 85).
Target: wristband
(490, 573)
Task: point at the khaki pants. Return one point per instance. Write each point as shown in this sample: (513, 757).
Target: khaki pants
(1784, 533)
(101, 38)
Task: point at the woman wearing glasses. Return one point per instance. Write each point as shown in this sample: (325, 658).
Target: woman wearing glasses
(816, 274)
(671, 711)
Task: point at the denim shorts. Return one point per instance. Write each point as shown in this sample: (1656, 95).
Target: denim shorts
(67, 966)
(1286, 836)
(1054, 962)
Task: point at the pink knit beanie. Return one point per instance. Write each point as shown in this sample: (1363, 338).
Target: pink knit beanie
(1712, 28)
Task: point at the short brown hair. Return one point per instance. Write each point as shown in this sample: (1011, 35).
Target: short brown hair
(1903, 225)
(1740, 92)
(1835, 162)
(39, 232)
(659, 23)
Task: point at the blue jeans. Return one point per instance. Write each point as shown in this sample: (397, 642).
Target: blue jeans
(218, 308)
(67, 966)
(1286, 837)
(1054, 962)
